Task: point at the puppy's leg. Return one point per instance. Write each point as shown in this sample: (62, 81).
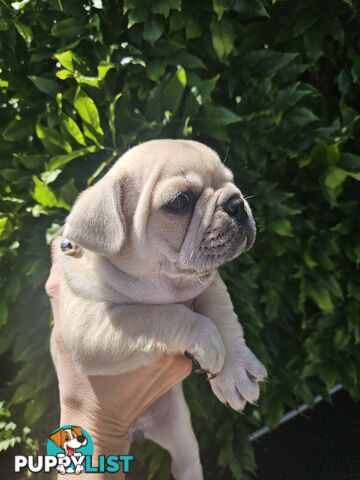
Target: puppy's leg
(108, 339)
(170, 426)
(237, 382)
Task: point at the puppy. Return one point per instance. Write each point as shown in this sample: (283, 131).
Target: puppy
(145, 238)
(69, 439)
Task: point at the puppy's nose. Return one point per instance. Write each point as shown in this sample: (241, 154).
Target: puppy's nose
(81, 438)
(235, 207)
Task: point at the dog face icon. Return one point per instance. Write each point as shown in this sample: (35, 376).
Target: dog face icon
(69, 439)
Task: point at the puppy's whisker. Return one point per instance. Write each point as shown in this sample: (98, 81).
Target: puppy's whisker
(226, 154)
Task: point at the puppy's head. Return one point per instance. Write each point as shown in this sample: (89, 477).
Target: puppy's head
(72, 437)
(165, 205)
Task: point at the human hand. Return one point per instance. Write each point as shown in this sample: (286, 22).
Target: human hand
(107, 406)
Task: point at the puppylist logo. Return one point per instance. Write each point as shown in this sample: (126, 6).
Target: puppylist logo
(70, 449)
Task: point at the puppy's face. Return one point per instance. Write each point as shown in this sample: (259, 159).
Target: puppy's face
(69, 437)
(168, 205)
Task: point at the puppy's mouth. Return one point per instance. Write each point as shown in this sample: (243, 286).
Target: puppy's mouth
(220, 245)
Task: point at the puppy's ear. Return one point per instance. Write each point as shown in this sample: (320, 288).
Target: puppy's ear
(77, 431)
(58, 438)
(96, 220)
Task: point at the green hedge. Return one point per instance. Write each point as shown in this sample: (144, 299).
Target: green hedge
(274, 87)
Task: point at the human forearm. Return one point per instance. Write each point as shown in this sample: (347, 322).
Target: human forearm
(108, 438)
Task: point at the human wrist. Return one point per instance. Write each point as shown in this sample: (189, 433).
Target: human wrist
(107, 436)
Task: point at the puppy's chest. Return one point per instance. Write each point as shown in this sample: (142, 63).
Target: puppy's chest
(97, 280)
(166, 291)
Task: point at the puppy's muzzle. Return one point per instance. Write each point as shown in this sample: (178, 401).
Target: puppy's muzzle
(235, 208)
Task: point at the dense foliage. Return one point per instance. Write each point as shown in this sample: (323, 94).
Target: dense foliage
(274, 87)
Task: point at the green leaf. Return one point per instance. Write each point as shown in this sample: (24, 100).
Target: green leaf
(220, 6)
(69, 28)
(6, 227)
(86, 108)
(3, 314)
(45, 85)
(332, 26)
(95, 82)
(341, 339)
(153, 30)
(325, 155)
(173, 91)
(67, 59)
(137, 15)
(203, 90)
(167, 97)
(44, 195)
(163, 7)
(54, 231)
(112, 115)
(186, 60)
(274, 409)
(155, 70)
(25, 31)
(313, 40)
(71, 127)
(68, 192)
(301, 116)
(193, 28)
(52, 139)
(322, 298)
(50, 176)
(250, 8)
(354, 175)
(63, 74)
(263, 63)
(220, 115)
(36, 408)
(18, 129)
(61, 160)
(223, 37)
(4, 25)
(282, 228)
(334, 177)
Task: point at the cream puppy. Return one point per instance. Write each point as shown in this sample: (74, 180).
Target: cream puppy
(145, 238)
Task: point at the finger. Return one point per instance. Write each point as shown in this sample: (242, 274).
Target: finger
(175, 372)
(166, 373)
(167, 367)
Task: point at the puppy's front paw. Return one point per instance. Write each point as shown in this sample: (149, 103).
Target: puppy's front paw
(61, 469)
(238, 381)
(207, 348)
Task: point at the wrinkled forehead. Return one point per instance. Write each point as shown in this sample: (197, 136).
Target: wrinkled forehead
(177, 164)
(190, 178)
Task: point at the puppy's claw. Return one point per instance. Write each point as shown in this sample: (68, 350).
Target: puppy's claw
(241, 398)
(195, 362)
(209, 375)
(251, 377)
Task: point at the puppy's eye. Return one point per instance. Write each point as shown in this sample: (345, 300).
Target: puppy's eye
(180, 203)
